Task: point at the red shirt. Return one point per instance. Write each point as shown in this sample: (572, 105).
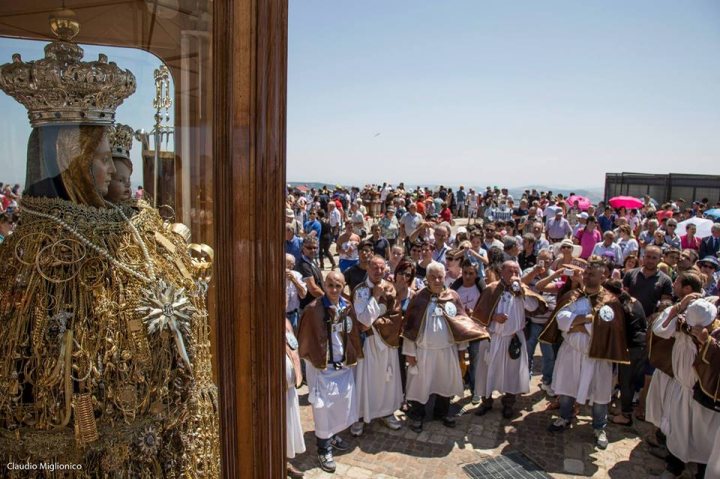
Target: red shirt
(685, 243)
(421, 207)
(446, 215)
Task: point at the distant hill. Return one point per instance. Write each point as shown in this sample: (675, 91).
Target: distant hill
(594, 194)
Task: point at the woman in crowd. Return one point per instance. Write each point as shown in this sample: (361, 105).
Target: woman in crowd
(630, 262)
(565, 255)
(627, 242)
(689, 240)
(389, 226)
(404, 281)
(588, 237)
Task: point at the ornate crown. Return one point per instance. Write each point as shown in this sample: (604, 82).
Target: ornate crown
(121, 137)
(61, 88)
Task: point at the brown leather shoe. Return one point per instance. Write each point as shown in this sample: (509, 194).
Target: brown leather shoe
(294, 472)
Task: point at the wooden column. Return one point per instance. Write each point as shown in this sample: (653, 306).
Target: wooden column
(250, 54)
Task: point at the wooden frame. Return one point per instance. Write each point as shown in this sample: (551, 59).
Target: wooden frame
(251, 77)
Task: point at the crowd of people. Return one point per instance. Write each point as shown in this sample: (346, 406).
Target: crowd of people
(414, 309)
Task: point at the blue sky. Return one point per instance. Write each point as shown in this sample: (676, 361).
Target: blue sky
(501, 92)
(475, 92)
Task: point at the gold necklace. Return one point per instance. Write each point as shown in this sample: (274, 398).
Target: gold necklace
(102, 251)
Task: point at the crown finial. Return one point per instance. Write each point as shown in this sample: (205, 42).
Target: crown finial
(62, 88)
(64, 26)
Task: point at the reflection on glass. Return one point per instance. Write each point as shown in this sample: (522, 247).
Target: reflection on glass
(105, 361)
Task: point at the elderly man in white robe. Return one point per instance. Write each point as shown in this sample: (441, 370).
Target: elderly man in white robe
(592, 324)
(436, 333)
(691, 427)
(378, 373)
(502, 309)
(330, 345)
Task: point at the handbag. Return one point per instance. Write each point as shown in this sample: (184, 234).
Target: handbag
(515, 347)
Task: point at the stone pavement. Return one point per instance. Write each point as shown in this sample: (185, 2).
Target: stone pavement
(440, 452)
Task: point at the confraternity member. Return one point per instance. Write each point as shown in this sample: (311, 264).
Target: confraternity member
(120, 143)
(435, 330)
(293, 379)
(378, 374)
(692, 420)
(593, 329)
(707, 366)
(502, 309)
(104, 337)
(329, 339)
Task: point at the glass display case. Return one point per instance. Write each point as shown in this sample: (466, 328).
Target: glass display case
(146, 303)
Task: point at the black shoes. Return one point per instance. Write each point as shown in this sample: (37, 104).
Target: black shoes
(327, 463)
(416, 426)
(338, 443)
(449, 422)
(508, 412)
(483, 409)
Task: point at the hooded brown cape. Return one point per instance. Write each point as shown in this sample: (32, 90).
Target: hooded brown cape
(486, 305)
(389, 324)
(660, 349)
(463, 328)
(707, 363)
(608, 337)
(313, 336)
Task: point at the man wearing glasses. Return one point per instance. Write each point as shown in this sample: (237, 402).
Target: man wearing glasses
(311, 274)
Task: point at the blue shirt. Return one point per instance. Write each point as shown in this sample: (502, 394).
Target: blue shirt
(294, 247)
(313, 225)
(606, 223)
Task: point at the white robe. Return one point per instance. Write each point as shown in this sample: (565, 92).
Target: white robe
(481, 368)
(379, 388)
(655, 411)
(295, 441)
(438, 366)
(713, 467)
(691, 427)
(505, 374)
(576, 374)
(332, 394)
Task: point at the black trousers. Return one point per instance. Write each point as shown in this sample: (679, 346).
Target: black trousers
(325, 252)
(417, 410)
(629, 375)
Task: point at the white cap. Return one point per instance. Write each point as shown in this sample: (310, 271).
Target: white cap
(583, 215)
(700, 313)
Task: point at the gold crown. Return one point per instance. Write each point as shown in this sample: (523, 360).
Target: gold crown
(63, 89)
(121, 138)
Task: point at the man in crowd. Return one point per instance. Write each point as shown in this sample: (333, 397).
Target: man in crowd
(293, 243)
(436, 332)
(440, 233)
(311, 274)
(295, 291)
(710, 245)
(357, 273)
(606, 221)
(330, 345)
(501, 309)
(378, 374)
(558, 228)
(648, 284)
(347, 247)
(690, 427)
(608, 249)
(334, 219)
(593, 328)
(410, 222)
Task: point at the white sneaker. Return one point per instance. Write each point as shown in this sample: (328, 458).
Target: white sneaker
(558, 425)
(357, 429)
(548, 390)
(392, 422)
(601, 438)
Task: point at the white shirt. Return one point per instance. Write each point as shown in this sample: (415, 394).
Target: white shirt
(291, 291)
(334, 217)
(612, 251)
(468, 296)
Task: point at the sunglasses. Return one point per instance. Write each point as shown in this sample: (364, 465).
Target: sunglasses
(311, 247)
(708, 266)
(566, 247)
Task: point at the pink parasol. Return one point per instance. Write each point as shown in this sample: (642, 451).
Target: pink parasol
(583, 203)
(626, 201)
